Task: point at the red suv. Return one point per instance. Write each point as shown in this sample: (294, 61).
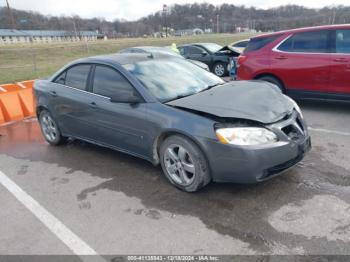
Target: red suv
(304, 63)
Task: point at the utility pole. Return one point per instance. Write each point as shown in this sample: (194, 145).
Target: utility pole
(165, 10)
(11, 15)
(75, 28)
(217, 24)
(334, 16)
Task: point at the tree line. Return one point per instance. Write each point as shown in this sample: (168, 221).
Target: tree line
(225, 18)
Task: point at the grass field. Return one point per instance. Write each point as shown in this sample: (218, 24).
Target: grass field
(31, 61)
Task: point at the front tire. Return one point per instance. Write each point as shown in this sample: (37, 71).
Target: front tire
(184, 164)
(220, 69)
(50, 130)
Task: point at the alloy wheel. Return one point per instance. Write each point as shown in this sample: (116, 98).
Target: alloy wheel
(179, 165)
(49, 128)
(219, 70)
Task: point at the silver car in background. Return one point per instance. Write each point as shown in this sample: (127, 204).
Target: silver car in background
(163, 50)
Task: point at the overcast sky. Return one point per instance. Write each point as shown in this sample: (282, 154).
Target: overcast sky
(134, 9)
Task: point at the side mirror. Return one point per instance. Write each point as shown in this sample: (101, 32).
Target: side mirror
(204, 53)
(126, 97)
(134, 99)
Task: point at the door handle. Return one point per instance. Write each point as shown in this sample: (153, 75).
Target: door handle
(340, 60)
(53, 93)
(281, 57)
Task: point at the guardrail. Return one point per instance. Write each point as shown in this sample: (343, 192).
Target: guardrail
(16, 101)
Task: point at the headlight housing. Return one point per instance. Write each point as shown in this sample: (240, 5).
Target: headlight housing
(246, 136)
(296, 106)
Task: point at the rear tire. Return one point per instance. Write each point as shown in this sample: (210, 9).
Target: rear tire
(184, 164)
(273, 80)
(50, 130)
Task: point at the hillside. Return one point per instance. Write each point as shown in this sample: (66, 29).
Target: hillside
(224, 18)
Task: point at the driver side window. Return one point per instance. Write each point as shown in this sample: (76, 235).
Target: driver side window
(109, 83)
(193, 50)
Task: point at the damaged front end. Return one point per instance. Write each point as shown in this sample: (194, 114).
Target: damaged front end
(228, 51)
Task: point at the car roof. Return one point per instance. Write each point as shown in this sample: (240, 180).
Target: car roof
(149, 47)
(201, 44)
(306, 29)
(122, 59)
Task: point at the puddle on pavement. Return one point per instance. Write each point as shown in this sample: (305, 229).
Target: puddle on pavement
(241, 211)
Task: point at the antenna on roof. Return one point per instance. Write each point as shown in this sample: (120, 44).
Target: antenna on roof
(11, 15)
(150, 55)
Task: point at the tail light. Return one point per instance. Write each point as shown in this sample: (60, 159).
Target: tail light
(241, 60)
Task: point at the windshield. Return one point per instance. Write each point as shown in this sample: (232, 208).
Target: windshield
(169, 79)
(212, 47)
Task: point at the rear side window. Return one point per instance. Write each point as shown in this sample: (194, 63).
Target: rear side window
(307, 42)
(260, 42)
(108, 82)
(342, 41)
(77, 76)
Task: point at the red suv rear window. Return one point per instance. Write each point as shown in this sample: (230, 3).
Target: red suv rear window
(260, 42)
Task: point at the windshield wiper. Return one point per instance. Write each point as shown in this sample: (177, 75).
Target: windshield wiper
(178, 97)
(190, 94)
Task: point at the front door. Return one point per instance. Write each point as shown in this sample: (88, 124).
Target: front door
(340, 67)
(199, 54)
(119, 124)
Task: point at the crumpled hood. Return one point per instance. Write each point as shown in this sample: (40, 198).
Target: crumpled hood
(229, 49)
(252, 100)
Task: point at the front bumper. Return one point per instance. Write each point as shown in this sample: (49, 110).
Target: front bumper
(252, 164)
(242, 165)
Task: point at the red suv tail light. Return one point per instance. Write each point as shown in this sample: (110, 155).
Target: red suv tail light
(241, 60)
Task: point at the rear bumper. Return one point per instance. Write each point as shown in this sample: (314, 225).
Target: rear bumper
(253, 164)
(243, 73)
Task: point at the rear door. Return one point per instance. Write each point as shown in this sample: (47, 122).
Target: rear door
(70, 96)
(340, 69)
(303, 61)
(122, 125)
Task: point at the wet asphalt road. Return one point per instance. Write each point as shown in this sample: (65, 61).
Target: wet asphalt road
(119, 204)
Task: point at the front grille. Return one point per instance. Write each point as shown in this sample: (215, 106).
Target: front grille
(294, 130)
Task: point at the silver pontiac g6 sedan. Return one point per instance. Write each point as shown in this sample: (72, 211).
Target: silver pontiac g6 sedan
(176, 114)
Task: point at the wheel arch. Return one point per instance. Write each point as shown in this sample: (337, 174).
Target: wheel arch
(171, 132)
(260, 75)
(39, 109)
